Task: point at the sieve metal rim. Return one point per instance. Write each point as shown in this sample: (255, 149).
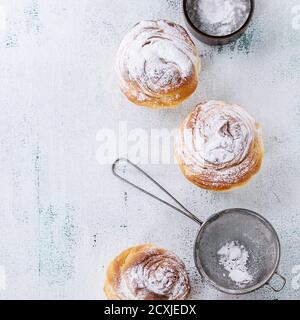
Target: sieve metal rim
(254, 287)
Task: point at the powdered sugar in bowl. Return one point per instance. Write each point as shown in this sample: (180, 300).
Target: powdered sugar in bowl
(218, 22)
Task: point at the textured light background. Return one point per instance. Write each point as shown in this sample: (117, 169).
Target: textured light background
(63, 216)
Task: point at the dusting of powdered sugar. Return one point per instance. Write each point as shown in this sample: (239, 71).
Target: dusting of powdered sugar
(224, 138)
(159, 275)
(219, 17)
(216, 143)
(156, 56)
(233, 257)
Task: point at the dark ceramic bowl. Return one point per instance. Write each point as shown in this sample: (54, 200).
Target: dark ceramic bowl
(216, 40)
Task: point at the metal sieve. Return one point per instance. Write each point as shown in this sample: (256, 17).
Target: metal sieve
(244, 226)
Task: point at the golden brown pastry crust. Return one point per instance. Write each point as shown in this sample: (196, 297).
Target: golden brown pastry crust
(158, 64)
(146, 272)
(215, 130)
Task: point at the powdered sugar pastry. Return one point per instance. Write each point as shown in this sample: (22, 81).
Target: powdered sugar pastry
(159, 274)
(216, 142)
(156, 56)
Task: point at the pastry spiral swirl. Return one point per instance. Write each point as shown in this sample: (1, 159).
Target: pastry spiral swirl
(146, 272)
(219, 146)
(158, 64)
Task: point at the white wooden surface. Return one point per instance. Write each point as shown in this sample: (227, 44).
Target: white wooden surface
(63, 216)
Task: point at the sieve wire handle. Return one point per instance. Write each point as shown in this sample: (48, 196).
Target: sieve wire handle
(184, 211)
(270, 286)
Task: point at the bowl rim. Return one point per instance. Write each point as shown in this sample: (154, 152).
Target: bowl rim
(213, 37)
(259, 284)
